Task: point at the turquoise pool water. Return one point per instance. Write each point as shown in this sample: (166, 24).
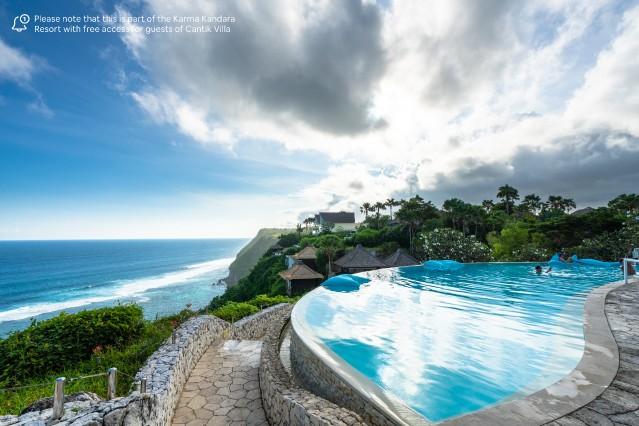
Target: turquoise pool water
(448, 343)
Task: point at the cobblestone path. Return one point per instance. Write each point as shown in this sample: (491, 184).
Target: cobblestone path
(223, 388)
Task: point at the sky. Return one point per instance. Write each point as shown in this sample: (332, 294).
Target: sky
(308, 105)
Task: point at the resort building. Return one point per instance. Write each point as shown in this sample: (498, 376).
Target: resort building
(300, 278)
(358, 260)
(307, 256)
(340, 221)
(400, 258)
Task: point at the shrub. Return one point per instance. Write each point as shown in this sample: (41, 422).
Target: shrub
(262, 300)
(515, 243)
(610, 245)
(368, 237)
(62, 341)
(446, 243)
(233, 311)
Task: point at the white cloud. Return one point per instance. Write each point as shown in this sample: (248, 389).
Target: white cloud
(15, 65)
(418, 95)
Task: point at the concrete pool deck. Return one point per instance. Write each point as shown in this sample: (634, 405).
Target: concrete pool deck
(602, 390)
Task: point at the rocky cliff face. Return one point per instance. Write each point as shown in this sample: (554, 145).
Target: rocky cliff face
(251, 253)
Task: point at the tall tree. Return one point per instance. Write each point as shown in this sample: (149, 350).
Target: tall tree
(508, 195)
(532, 203)
(628, 204)
(412, 214)
(329, 244)
(488, 205)
(390, 203)
(366, 209)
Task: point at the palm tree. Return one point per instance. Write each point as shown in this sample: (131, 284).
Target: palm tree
(366, 209)
(329, 244)
(308, 221)
(378, 206)
(532, 203)
(390, 203)
(413, 213)
(299, 230)
(488, 205)
(569, 204)
(508, 194)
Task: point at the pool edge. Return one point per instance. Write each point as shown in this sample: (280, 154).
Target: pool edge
(395, 411)
(593, 374)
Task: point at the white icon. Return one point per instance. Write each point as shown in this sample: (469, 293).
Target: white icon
(20, 22)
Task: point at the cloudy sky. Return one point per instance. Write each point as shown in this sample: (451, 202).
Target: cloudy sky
(306, 105)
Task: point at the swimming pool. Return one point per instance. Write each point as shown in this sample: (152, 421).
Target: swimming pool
(447, 343)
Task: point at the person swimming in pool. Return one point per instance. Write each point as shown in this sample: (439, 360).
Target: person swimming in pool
(539, 270)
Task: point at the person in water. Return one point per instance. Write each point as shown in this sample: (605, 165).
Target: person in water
(539, 270)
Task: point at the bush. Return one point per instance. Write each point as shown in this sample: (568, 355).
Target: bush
(446, 243)
(233, 311)
(514, 243)
(60, 342)
(368, 237)
(610, 246)
(263, 301)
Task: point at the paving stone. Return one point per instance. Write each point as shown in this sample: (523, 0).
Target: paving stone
(223, 388)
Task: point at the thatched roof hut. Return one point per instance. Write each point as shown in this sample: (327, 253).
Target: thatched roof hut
(300, 278)
(400, 258)
(358, 260)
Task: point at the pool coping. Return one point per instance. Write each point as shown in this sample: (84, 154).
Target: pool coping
(593, 374)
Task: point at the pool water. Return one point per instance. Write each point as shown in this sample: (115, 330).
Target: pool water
(448, 343)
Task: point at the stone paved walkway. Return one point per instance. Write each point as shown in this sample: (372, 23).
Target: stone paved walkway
(223, 388)
(619, 404)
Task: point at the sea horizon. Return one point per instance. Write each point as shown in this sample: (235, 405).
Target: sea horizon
(42, 278)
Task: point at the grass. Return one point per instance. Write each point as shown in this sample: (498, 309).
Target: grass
(127, 360)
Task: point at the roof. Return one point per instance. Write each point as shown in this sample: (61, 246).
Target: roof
(307, 253)
(400, 258)
(359, 258)
(337, 217)
(299, 271)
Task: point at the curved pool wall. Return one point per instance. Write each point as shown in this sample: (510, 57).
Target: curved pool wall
(456, 343)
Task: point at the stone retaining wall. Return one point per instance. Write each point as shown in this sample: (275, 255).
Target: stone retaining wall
(284, 403)
(254, 327)
(166, 371)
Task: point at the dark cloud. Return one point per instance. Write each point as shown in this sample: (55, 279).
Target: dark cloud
(323, 75)
(472, 53)
(588, 168)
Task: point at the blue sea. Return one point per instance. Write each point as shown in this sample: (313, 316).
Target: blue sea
(39, 279)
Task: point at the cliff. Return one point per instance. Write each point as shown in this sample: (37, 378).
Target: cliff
(251, 253)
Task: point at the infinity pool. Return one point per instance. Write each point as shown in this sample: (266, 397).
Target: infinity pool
(447, 343)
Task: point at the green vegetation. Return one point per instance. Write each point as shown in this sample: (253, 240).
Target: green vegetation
(249, 255)
(232, 311)
(86, 343)
(446, 243)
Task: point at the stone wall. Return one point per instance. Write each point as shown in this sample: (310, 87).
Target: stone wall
(286, 404)
(166, 371)
(254, 327)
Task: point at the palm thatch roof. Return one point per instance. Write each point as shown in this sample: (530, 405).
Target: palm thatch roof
(307, 253)
(359, 258)
(400, 258)
(299, 271)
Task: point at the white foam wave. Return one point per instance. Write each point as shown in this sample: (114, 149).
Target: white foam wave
(131, 288)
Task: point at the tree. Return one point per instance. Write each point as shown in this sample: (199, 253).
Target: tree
(412, 214)
(378, 206)
(558, 203)
(390, 203)
(532, 203)
(628, 204)
(508, 195)
(299, 230)
(308, 221)
(329, 245)
(448, 244)
(488, 205)
(366, 209)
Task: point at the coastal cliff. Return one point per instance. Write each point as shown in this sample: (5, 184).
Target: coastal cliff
(251, 253)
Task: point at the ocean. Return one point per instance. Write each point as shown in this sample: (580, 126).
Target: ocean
(40, 279)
